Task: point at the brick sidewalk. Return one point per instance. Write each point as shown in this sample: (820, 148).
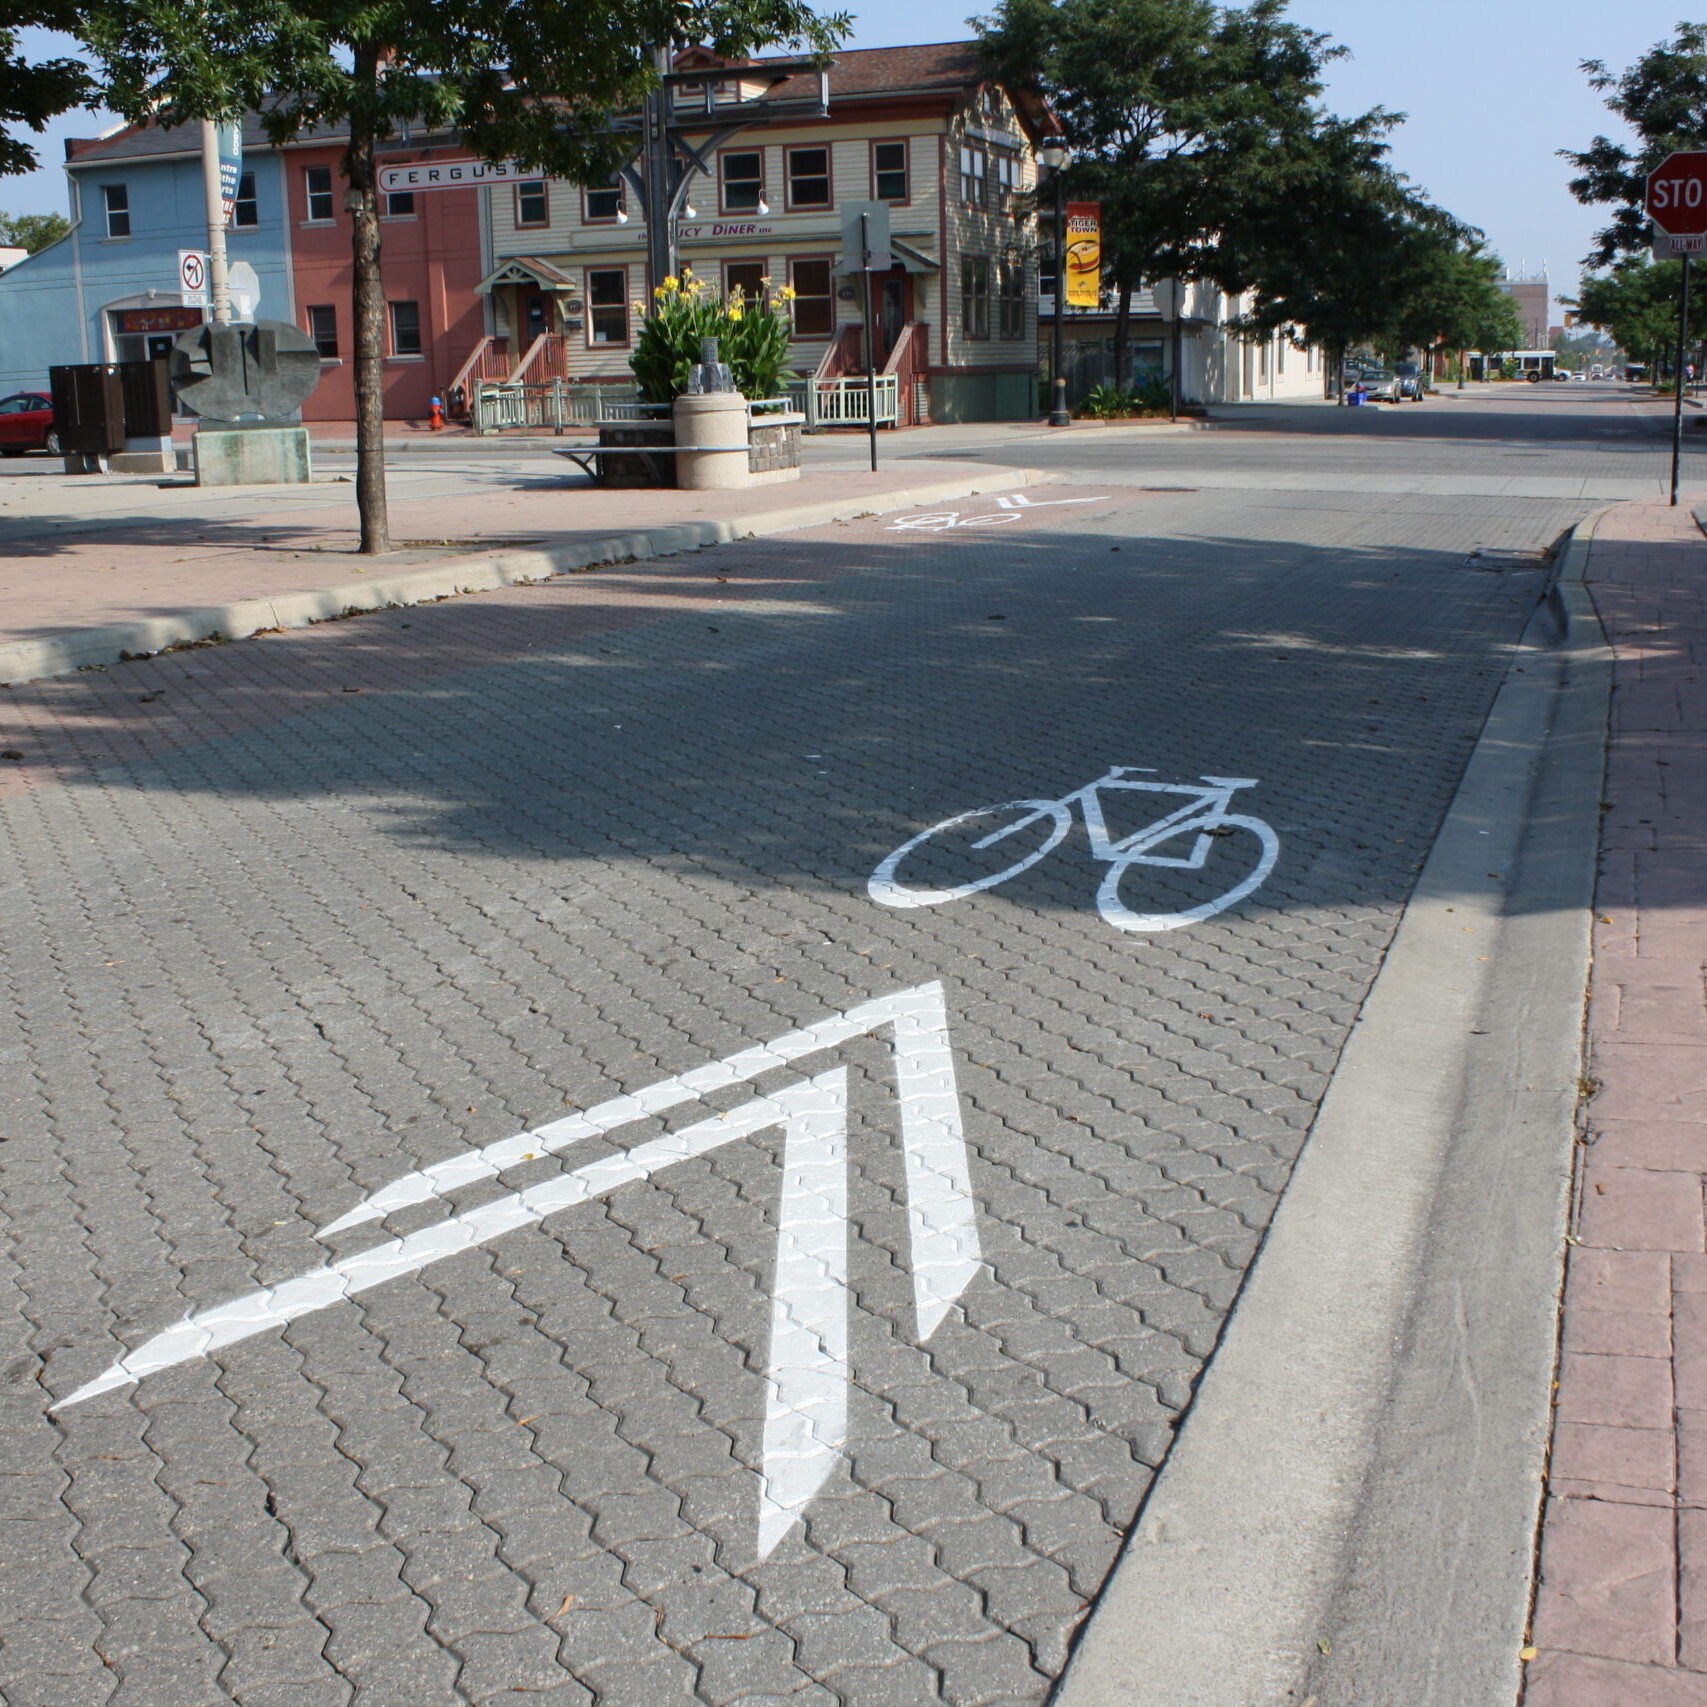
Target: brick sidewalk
(145, 549)
(1621, 1614)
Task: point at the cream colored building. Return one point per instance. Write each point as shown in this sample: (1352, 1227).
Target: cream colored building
(917, 128)
(1217, 365)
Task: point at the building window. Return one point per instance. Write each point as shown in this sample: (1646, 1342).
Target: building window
(405, 328)
(118, 209)
(974, 168)
(605, 202)
(533, 205)
(814, 299)
(747, 277)
(1011, 300)
(743, 180)
(317, 180)
(246, 210)
(889, 172)
(1007, 174)
(607, 305)
(323, 329)
(808, 177)
(975, 295)
(400, 204)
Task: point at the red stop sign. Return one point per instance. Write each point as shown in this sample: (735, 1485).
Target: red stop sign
(1677, 194)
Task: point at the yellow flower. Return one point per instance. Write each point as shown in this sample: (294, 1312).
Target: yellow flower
(736, 312)
(787, 293)
(671, 282)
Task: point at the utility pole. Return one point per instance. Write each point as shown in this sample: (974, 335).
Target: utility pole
(213, 202)
(661, 197)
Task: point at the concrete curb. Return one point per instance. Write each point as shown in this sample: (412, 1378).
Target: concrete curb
(1349, 1512)
(60, 654)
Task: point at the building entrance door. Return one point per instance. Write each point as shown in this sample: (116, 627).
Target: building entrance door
(892, 305)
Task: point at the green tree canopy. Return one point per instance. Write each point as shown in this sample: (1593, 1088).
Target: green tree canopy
(1636, 301)
(32, 231)
(34, 91)
(1200, 129)
(535, 80)
(1663, 99)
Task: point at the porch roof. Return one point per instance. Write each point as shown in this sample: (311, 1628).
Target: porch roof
(525, 270)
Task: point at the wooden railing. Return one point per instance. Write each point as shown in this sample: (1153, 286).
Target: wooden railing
(546, 359)
(907, 365)
(489, 360)
(841, 355)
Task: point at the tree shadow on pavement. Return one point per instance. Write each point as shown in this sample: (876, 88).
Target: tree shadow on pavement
(785, 713)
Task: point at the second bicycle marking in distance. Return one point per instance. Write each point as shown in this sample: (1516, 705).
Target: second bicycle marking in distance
(1010, 507)
(1200, 828)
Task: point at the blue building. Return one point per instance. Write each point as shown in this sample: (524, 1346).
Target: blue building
(109, 291)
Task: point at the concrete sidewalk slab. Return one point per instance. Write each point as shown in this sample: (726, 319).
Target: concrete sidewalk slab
(172, 580)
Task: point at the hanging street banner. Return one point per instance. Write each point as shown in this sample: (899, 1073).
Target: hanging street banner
(230, 167)
(1084, 254)
(452, 175)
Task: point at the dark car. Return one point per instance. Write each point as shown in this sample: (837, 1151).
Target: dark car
(26, 423)
(1410, 378)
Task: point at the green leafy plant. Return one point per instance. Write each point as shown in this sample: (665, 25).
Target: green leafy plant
(756, 341)
(1111, 402)
(753, 337)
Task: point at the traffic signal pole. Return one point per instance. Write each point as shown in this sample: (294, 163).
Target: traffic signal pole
(1677, 383)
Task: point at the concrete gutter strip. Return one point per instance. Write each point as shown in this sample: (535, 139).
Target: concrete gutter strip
(1349, 1512)
(60, 654)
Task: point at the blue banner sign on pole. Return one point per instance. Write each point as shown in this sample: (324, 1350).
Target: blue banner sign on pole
(230, 166)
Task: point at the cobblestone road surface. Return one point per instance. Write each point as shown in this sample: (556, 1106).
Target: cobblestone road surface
(288, 920)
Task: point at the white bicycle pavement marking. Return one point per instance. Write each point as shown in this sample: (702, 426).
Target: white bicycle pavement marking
(808, 1372)
(1204, 817)
(1011, 504)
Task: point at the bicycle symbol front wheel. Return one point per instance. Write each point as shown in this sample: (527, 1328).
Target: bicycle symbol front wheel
(963, 843)
(1267, 851)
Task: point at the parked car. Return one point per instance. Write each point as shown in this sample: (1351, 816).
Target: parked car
(1383, 385)
(1411, 382)
(26, 423)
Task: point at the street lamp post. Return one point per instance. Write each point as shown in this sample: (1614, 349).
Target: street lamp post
(1055, 154)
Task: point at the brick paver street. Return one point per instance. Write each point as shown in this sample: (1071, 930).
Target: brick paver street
(831, 1375)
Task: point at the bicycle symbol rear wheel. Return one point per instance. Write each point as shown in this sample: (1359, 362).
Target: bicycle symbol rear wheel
(940, 845)
(1267, 852)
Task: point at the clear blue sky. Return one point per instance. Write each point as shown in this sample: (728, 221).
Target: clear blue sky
(1491, 88)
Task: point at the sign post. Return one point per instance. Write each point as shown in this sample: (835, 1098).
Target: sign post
(865, 250)
(1677, 204)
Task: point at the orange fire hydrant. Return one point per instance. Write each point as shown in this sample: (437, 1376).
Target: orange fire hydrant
(435, 415)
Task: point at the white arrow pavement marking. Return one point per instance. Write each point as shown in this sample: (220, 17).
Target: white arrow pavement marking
(808, 1374)
(806, 1408)
(1019, 501)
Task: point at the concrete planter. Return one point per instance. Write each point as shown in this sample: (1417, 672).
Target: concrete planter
(713, 443)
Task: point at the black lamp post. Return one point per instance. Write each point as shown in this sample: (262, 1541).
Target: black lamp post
(1055, 154)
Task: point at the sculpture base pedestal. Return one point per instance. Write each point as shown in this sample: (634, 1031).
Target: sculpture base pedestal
(252, 456)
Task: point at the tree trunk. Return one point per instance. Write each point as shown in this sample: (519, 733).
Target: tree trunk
(369, 307)
(1123, 339)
